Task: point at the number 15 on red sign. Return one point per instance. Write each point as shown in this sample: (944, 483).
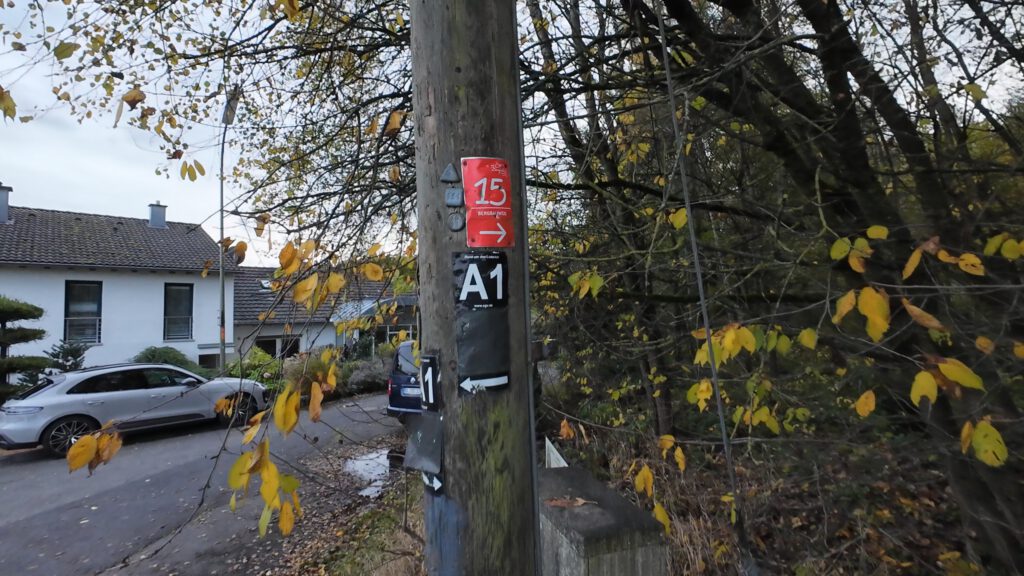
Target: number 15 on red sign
(485, 185)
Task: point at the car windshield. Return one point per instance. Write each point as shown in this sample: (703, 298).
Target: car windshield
(44, 383)
(406, 363)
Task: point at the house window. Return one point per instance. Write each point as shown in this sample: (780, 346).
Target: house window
(177, 311)
(82, 310)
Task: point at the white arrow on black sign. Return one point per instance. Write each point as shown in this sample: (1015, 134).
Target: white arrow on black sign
(500, 232)
(433, 481)
(474, 385)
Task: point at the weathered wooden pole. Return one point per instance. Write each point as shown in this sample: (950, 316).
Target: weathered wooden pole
(480, 507)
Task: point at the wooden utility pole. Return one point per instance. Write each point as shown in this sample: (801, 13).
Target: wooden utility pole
(480, 507)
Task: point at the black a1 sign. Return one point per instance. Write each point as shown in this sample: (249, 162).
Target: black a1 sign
(481, 280)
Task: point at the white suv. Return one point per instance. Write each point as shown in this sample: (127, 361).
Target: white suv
(66, 406)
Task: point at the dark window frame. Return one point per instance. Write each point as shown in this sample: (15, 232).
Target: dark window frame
(191, 308)
(99, 310)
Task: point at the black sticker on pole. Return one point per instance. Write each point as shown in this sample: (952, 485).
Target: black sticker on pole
(481, 280)
(430, 382)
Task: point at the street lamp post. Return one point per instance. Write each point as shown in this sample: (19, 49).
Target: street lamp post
(227, 118)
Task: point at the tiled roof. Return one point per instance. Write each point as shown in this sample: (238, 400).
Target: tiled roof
(54, 237)
(252, 299)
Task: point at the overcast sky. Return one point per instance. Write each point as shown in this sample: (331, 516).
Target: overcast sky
(57, 163)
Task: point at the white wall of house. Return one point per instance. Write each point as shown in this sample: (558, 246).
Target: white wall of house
(311, 336)
(132, 309)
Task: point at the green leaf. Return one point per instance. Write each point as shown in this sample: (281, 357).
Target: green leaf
(840, 248)
(65, 50)
(975, 91)
(596, 282)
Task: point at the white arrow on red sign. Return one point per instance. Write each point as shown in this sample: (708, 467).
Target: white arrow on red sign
(500, 232)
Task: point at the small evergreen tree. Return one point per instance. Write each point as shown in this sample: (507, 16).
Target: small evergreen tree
(67, 356)
(14, 311)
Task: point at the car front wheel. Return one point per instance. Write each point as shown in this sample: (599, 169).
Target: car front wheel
(243, 410)
(59, 436)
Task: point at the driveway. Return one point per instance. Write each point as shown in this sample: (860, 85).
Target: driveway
(54, 524)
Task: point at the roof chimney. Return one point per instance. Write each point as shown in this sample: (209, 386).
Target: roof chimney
(157, 215)
(5, 192)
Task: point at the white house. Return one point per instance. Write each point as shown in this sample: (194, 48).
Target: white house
(119, 284)
(271, 321)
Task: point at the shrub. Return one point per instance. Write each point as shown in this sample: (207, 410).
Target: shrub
(304, 368)
(367, 376)
(255, 365)
(172, 356)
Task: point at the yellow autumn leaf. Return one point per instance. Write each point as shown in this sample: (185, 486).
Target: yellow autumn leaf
(783, 344)
(844, 305)
(877, 232)
(373, 272)
(988, 444)
(199, 167)
(238, 475)
(250, 434)
(394, 174)
(270, 482)
(857, 263)
(680, 459)
(1011, 249)
(81, 452)
(292, 411)
(394, 123)
(306, 248)
(1018, 349)
(956, 371)
(303, 289)
(662, 516)
(332, 377)
(184, 170)
(808, 338)
(240, 249)
(280, 409)
(287, 255)
(565, 431)
(316, 398)
(924, 386)
(874, 305)
(644, 481)
(666, 442)
(374, 249)
(965, 436)
(286, 520)
(678, 218)
(921, 317)
(912, 262)
(111, 448)
(946, 257)
(971, 264)
(840, 248)
(259, 457)
(7, 105)
(264, 521)
(865, 404)
(985, 345)
(335, 282)
(993, 244)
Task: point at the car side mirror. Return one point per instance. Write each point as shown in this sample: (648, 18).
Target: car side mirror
(190, 382)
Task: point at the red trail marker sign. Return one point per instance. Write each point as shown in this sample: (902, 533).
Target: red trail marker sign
(485, 183)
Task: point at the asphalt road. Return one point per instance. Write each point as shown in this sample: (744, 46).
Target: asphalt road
(57, 524)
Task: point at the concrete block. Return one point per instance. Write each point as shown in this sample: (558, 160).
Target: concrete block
(610, 537)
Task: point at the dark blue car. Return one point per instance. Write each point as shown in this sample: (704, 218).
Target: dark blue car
(404, 394)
